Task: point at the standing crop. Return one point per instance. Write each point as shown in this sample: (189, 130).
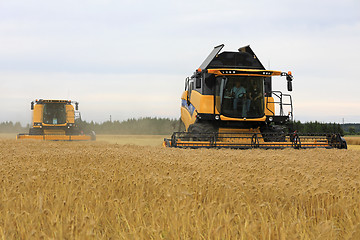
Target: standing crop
(92, 190)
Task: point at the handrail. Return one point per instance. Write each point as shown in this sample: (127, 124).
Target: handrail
(281, 103)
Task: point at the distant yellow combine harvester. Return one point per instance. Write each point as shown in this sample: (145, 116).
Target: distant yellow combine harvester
(55, 120)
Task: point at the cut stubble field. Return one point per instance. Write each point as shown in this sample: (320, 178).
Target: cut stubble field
(102, 190)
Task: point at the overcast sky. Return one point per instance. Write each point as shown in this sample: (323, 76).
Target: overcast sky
(130, 58)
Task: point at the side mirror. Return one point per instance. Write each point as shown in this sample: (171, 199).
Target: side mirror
(77, 106)
(186, 83)
(289, 83)
(289, 86)
(32, 105)
(188, 94)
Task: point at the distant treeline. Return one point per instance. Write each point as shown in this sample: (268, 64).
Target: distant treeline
(147, 126)
(351, 128)
(317, 127)
(165, 126)
(10, 127)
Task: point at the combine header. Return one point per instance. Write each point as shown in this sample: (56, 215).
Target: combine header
(55, 120)
(229, 103)
(254, 140)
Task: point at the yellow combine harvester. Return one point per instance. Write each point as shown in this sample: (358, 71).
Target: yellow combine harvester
(229, 103)
(55, 120)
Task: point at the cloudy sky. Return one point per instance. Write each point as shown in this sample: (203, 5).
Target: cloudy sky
(129, 58)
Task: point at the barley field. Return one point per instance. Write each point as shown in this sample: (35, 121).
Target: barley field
(353, 140)
(103, 190)
(140, 140)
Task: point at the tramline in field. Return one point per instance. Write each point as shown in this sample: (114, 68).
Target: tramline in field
(229, 103)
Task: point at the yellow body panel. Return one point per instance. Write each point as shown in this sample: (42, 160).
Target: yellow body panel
(184, 95)
(70, 114)
(38, 114)
(186, 118)
(270, 106)
(202, 103)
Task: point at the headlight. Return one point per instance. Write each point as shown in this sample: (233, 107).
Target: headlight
(271, 119)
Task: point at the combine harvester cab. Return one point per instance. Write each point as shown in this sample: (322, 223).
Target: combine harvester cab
(55, 120)
(229, 103)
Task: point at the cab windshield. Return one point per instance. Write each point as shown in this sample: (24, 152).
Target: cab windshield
(54, 113)
(240, 97)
